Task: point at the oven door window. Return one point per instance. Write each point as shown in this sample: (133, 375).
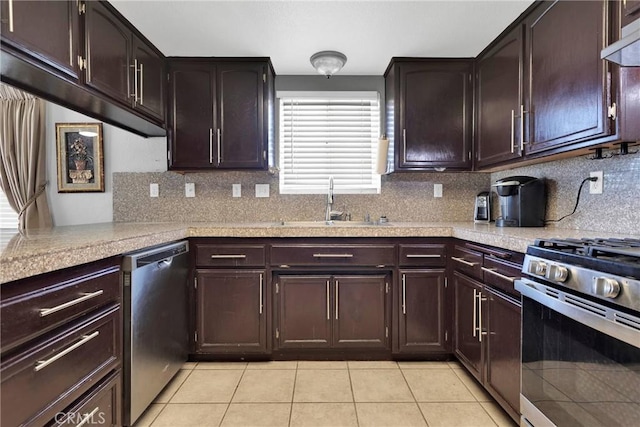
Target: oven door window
(576, 375)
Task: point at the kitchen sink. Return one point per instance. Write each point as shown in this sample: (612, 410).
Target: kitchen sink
(331, 224)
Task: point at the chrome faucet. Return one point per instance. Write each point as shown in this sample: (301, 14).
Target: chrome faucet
(327, 215)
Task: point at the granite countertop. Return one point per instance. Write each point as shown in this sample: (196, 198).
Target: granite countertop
(41, 251)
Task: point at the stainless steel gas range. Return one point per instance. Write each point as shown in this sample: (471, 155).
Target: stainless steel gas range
(581, 333)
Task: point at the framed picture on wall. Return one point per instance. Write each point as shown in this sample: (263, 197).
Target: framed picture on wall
(80, 157)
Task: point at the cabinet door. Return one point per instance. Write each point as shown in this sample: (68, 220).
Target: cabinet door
(108, 53)
(230, 312)
(191, 116)
(568, 90)
(304, 311)
(149, 79)
(435, 115)
(467, 315)
(46, 30)
(630, 11)
(499, 97)
(503, 348)
(361, 311)
(422, 307)
(241, 121)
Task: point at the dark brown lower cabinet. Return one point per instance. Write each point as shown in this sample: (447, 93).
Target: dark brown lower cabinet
(231, 312)
(422, 322)
(324, 311)
(468, 346)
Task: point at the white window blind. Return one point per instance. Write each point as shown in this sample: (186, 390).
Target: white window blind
(324, 134)
(8, 217)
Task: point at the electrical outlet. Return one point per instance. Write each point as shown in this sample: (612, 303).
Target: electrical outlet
(189, 189)
(437, 190)
(236, 190)
(597, 186)
(262, 190)
(154, 190)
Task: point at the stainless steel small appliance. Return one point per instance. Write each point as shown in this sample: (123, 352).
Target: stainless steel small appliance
(523, 201)
(155, 323)
(581, 333)
(482, 212)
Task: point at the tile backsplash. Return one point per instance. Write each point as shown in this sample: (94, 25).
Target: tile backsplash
(405, 196)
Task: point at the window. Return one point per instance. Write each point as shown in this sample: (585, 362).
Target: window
(8, 217)
(329, 134)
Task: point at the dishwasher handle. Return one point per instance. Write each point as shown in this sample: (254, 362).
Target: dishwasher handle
(161, 255)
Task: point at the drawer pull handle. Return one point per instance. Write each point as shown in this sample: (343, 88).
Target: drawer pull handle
(84, 297)
(333, 255)
(88, 417)
(423, 256)
(464, 261)
(41, 364)
(495, 273)
(229, 256)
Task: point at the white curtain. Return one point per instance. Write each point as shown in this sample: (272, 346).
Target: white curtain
(23, 156)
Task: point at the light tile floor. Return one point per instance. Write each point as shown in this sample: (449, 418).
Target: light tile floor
(328, 394)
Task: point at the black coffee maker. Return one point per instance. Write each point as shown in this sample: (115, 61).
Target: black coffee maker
(523, 201)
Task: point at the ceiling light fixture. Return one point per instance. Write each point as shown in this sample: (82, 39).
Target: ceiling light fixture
(328, 62)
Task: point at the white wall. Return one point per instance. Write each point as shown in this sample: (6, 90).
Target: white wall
(123, 152)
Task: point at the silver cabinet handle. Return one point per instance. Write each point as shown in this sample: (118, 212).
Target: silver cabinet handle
(475, 312)
(337, 293)
(328, 304)
(495, 273)
(141, 83)
(210, 146)
(423, 256)
(333, 255)
(11, 16)
(464, 261)
(480, 331)
(228, 256)
(404, 294)
(84, 297)
(513, 136)
(522, 113)
(261, 292)
(135, 81)
(88, 417)
(219, 146)
(41, 364)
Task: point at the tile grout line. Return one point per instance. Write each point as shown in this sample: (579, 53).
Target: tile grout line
(414, 396)
(295, 379)
(353, 395)
(233, 394)
(164, 405)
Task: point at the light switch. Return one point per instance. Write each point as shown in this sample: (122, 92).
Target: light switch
(189, 189)
(154, 190)
(262, 190)
(437, 190)
(237, 190)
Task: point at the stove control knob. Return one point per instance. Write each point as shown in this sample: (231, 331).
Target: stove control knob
(538, 268)
(558, 273)
(606, 287)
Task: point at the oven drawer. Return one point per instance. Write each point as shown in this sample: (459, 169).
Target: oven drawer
(230, 255)
(101, 406)
(335, 255)
(426, 255)
(467, 261)
(28, 315)
(501, 274)
(43, 379)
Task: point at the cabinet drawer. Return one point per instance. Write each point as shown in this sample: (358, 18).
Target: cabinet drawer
(467, 261)
(230, 255)
(432, 255)
(501, 274)
(44, 378)
(336, 255)
(101, 406)
(25, 316)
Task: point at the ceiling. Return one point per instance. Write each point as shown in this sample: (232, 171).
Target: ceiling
(368, 32)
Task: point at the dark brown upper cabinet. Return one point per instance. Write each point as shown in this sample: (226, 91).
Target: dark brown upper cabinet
(149, 79)
(49, 30)
(499, 101)
(429, 112)
(568, 85)
(221, 113)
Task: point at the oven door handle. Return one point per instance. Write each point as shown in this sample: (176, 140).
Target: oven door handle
(614, 323)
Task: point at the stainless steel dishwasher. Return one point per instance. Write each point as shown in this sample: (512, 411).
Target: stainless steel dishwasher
(155, 323)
